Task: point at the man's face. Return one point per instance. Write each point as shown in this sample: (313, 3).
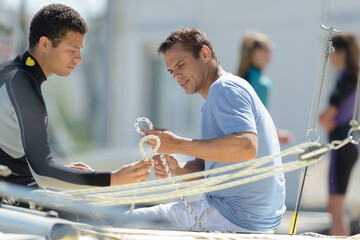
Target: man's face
(186, 70)
(63, 59)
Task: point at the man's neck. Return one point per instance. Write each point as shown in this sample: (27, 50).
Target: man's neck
(214, 73)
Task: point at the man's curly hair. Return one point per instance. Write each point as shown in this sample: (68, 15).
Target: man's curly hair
(54, 21)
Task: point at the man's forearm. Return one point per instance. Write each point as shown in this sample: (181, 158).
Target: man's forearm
(230, 148)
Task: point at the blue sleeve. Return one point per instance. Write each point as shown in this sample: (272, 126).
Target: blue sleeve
(234, 108)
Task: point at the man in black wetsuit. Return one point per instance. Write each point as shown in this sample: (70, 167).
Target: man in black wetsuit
(56, 37)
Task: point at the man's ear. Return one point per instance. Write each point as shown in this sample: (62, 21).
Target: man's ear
(205, 53)
(44, 43)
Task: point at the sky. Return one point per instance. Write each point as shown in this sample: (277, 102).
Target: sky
(85, 8)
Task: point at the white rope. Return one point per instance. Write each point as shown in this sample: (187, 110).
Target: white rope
(163, 160)
(197, 186)
(142, 152)
(101, 190)
(107, 195)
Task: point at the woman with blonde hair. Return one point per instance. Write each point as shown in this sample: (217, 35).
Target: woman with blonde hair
(255, 55)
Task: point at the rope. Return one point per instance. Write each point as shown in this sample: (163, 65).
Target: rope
(195, 187)
(163, 160)
(142, 152)
(354, 123)
(208, 185)
(108, 195)
(316, 80)
(101, 190)
(309, 153)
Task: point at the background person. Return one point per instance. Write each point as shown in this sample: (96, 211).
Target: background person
(335, 120)
(255, 56)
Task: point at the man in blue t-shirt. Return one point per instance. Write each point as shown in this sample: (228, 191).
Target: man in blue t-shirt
(235, 127)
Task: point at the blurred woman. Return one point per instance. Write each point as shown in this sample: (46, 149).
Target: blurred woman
(335, 120)
(255, 56)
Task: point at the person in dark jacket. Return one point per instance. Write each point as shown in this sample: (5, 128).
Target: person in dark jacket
(335, 120)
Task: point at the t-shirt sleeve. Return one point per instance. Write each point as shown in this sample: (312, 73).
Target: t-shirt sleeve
(234, 108)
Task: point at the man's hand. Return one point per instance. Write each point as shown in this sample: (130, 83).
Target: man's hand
(160, 170)
(178, 168)
(168, 140)
(285, 136)
(135, 172)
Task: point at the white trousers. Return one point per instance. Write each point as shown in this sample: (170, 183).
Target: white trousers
(175, 216)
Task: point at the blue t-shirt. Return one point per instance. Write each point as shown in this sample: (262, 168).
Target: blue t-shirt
(233, 106)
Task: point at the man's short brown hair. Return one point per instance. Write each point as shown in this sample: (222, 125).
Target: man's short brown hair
(191, 39)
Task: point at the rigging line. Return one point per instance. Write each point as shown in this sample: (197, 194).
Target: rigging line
(99, 190)
(333, 17)
(290, 151)
(322, 84)
(313, 152)
(269, 172)
(193, 190)
(204, 187)
(263, 172)
(317, 72)
(355, 120)
(115, 191)
(294, 218)
(76, 194)
(202, 182)
(197, 185)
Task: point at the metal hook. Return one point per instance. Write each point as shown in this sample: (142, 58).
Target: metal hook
(329, 48)
(330, 29)
(315, 134)
(351, 136)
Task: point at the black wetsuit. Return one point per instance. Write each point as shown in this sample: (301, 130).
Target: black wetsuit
(24, 143)
(343, 159)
